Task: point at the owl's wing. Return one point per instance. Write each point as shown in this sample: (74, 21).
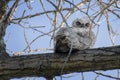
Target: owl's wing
(63, 39)
(59, 40)
(66, 38)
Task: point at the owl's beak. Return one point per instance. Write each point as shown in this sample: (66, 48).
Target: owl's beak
(82, 25)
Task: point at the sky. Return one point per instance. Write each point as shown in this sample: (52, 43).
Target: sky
(15, 36)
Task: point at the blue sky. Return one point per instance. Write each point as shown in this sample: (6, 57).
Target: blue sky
(15, 40)
(16, 33)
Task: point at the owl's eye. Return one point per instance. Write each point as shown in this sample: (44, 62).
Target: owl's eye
(78, 23)
(87, 24)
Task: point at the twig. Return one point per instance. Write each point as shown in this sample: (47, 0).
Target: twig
(109, 29)
(68, 56)
(41, 1)
(114, 13)
(39, 37)
(12, 11)
(107, 75)
(102, 10)
(82, 75)
(26, 39)
(42, 13)
(59, 12)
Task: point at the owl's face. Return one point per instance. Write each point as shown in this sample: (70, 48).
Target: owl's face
(81, 23)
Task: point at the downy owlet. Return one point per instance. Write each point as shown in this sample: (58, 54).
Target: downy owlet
(78, 37)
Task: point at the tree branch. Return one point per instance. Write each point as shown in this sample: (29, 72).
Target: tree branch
(49, 65)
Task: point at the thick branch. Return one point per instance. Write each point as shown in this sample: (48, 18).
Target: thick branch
(4, 22)
(48, 65)
(3, 25)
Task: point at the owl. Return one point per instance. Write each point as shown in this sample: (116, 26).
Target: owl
(78, 37)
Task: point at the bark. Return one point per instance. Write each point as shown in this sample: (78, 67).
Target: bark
(5, 18)
(3, 26)
(49, 65)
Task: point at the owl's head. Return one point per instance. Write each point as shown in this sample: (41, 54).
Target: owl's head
(81, 23)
